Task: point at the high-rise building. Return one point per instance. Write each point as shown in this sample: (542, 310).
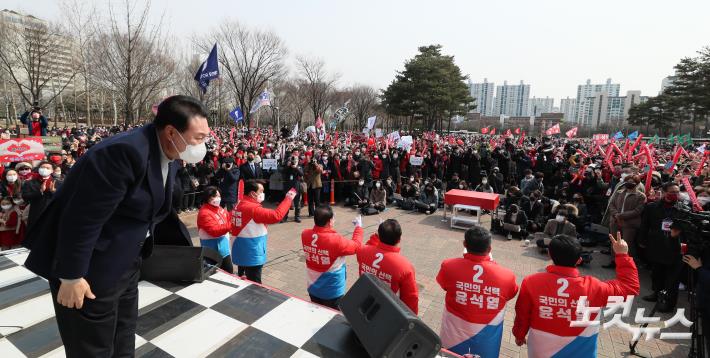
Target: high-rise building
(667, 82)
(538, 106)
(512, 100)
(54, 63)
(568, 106)
(483, 93)
(589, 90)
(602, 109)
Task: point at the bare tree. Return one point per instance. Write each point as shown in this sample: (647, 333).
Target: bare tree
(33, 54)
(293, 102)
(132, 59)
(319, 85)
(251, 60)
(79, 19)
(364, 100)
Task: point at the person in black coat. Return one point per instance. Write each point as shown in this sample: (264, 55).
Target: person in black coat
(250, 170)
(39, 191)
(292, 175)
(365, 167)
(188, 185)
(100, 222)
(515, 216)
(662, 251)
(228, 179)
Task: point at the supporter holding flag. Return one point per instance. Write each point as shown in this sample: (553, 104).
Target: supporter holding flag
(477, 290)
(325, 252)
(381, 258)
(213, 225)
(249, 220)
(548, 300)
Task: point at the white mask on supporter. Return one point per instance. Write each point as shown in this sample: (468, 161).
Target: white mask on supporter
(215, 201)
(260, 198)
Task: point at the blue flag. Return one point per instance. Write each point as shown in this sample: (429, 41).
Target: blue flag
(237, 115)
(618, 135)
(208, 70)
(633, 135)
(263, 100)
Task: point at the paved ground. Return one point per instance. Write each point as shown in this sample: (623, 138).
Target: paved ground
(427, 240)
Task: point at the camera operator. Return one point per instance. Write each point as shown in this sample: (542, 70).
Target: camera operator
(661, 247)
(35, 121)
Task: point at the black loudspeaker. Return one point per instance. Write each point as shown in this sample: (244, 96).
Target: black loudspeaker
(385, 326)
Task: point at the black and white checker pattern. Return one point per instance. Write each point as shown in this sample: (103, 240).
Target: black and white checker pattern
(223, 316)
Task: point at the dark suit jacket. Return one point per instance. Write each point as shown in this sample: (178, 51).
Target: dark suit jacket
(96, 225)
(247, 174)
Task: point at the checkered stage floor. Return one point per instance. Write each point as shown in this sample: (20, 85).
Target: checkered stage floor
(223, 316)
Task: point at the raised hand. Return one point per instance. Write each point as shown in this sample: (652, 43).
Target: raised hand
(618, 244)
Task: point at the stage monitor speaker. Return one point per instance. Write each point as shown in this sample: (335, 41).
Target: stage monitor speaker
(385, 326)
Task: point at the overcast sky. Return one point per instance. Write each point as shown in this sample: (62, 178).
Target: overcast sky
(552, 45)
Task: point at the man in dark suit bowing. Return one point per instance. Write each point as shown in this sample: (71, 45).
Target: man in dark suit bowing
(90, 240)
(250, 170)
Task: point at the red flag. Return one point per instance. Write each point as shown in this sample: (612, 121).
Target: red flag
(521, 140)
(484, 130)
(493, 131)
(507, 133)
(493, 143)
(572, 133)
(517, 131)
(553, 130)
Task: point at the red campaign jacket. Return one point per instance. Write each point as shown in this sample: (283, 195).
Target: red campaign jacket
(548, 302)
(386, 263)
(476, 275)
(323, 246)
(213, 221)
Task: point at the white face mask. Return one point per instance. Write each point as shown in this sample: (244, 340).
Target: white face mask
(560, 218)
(260, 198)
(193, 152)
(6, 207)
(377, 185)
(361, 182)
(44, 172)
(18, 201)
(484, 181)
(216, 201)
(11, 178)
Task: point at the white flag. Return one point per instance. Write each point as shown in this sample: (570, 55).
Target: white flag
(371, 122)
(294, 132)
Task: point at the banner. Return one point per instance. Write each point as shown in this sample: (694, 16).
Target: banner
(263, 100)
(553, 130)
(405, 142)
(394, 136)
(416, 161)
(21, 149)
(269, 164)
(378, 132)
(600, 139)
